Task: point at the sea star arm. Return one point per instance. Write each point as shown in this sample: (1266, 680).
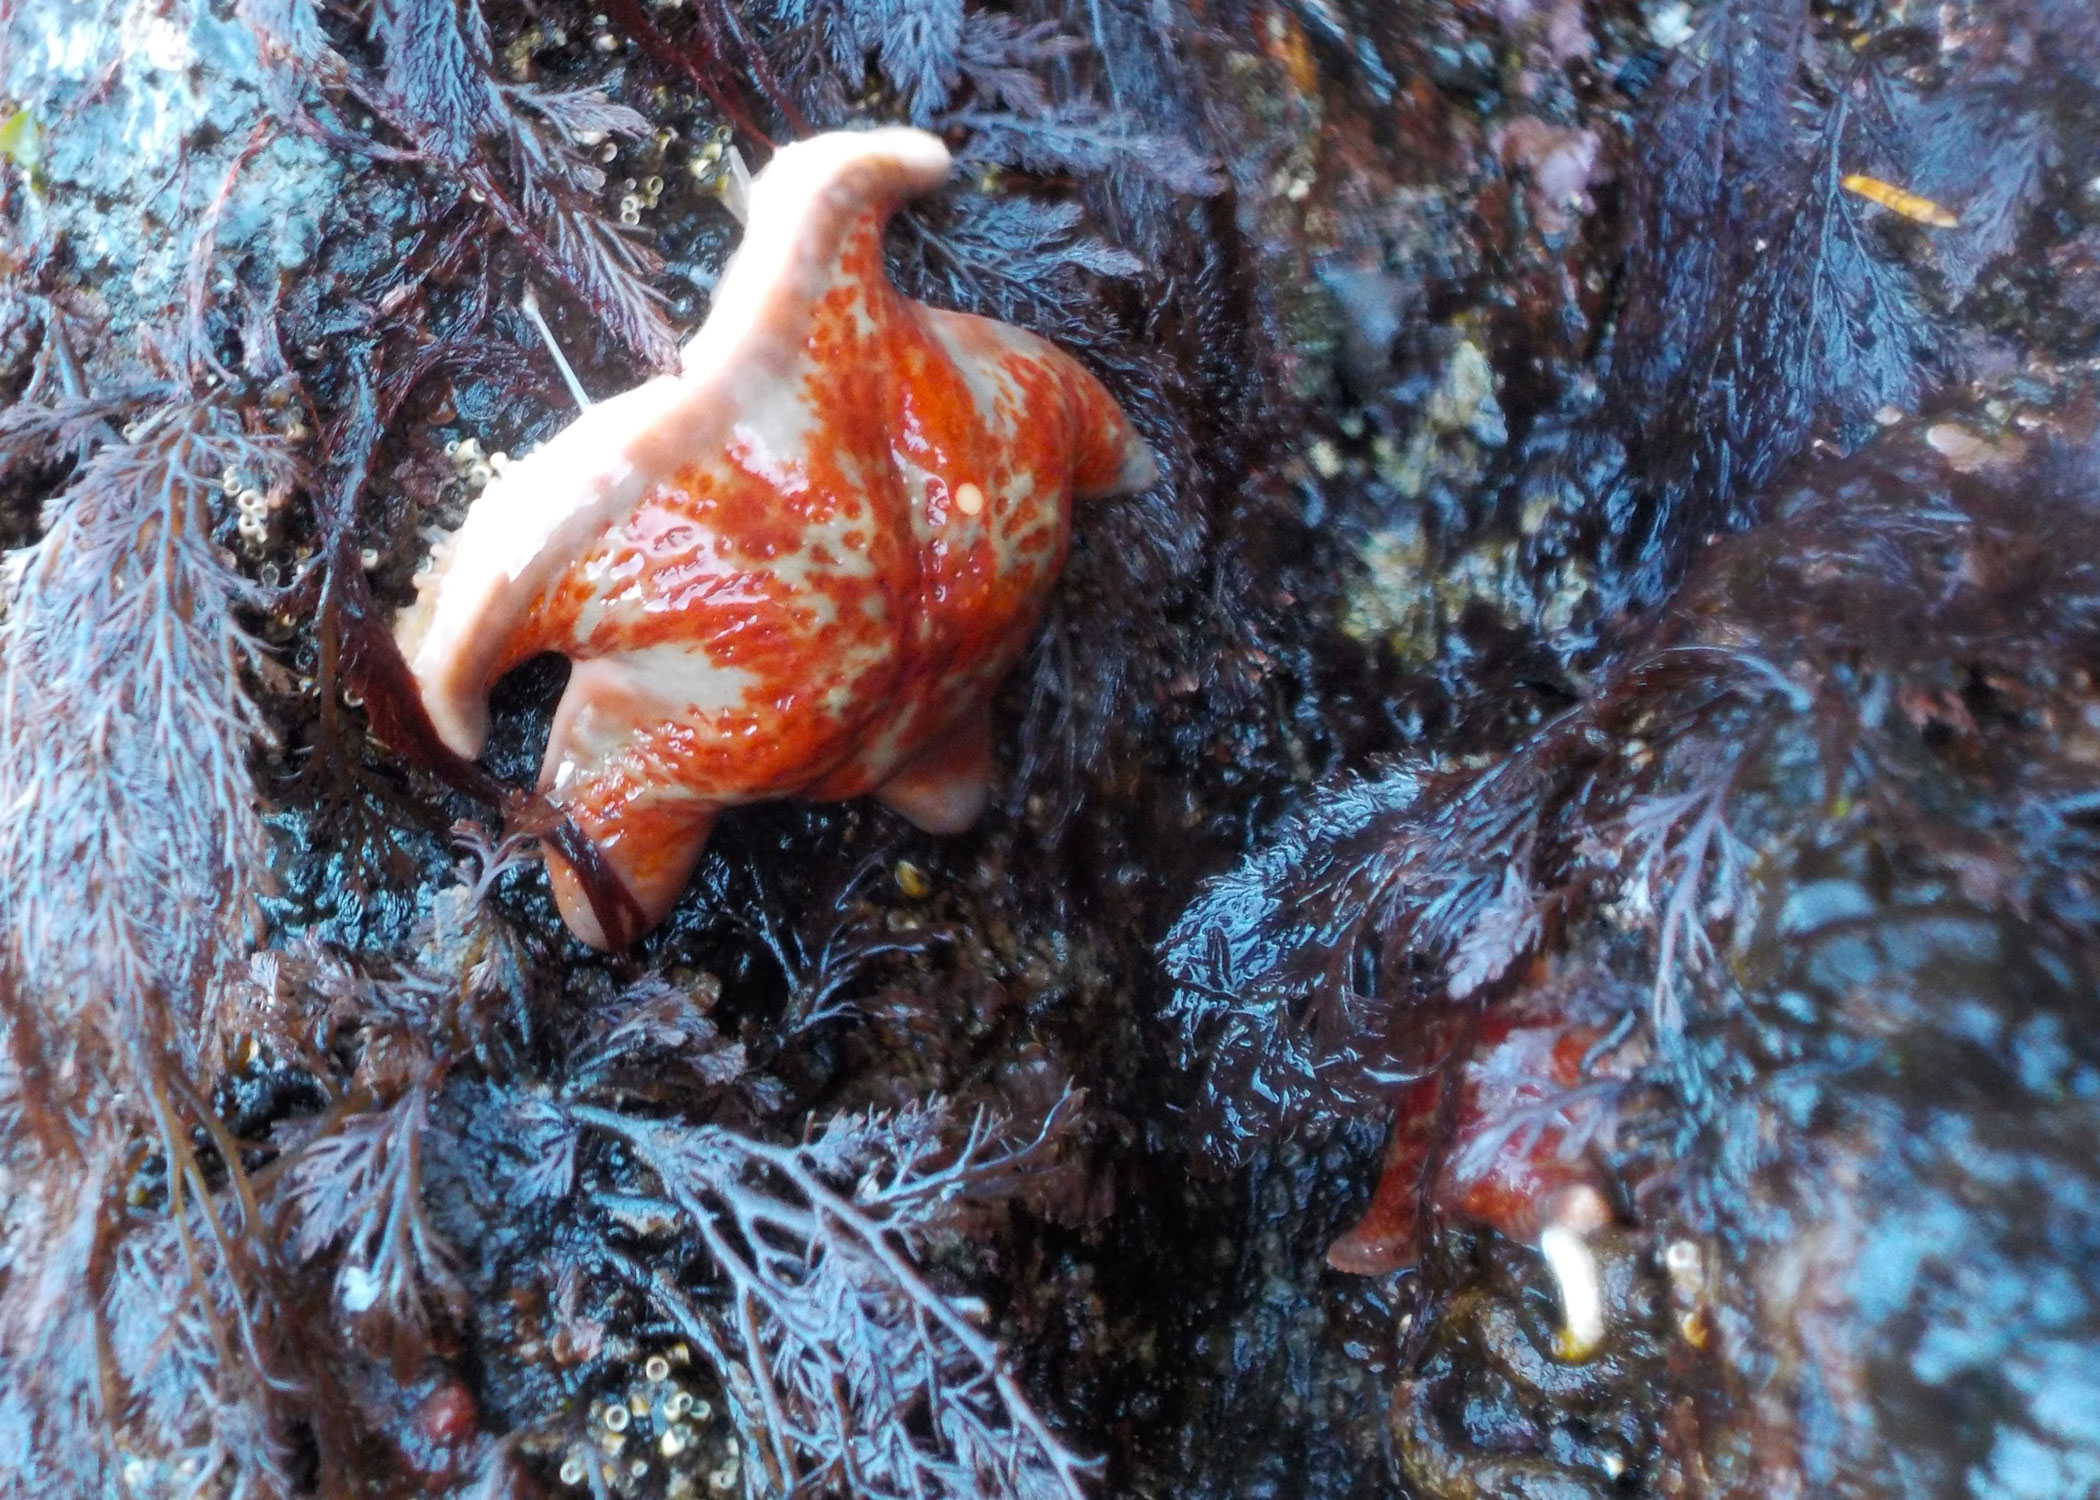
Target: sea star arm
(944, 787)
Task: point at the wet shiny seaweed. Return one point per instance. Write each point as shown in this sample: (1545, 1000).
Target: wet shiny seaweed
(1705, 541)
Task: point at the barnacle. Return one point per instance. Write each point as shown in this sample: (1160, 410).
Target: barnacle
(801, 565)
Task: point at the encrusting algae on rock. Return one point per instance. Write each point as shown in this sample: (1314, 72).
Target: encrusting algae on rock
(800, 566)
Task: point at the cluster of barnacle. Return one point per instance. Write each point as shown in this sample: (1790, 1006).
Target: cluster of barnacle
(652, 1432)
(718, 169)
(475, 468)
(637, 196)
(258, 507)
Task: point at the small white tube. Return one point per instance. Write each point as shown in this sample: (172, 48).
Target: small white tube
(529, 304)
(1574, 1271)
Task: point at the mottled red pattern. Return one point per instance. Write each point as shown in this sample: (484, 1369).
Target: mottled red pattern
(861, 553)
(1507, 1180)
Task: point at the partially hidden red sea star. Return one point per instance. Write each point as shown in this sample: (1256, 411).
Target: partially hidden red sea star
(798, 567)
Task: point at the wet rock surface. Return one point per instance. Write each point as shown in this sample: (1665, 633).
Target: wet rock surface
(1617, 633)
